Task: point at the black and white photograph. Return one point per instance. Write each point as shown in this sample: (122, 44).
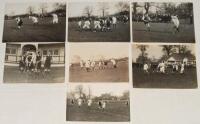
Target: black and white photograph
(95, 62)
(164, 66)
(99, 22)
(34, 22)
(34, 63)
(163, 22)
(98, 103)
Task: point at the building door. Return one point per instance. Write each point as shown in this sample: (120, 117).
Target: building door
(29, 48)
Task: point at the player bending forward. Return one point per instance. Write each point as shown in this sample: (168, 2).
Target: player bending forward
(114, 63)
(176, 23)
(146, 19)
(86, 24)
(55, 18)
(97, 25)
(34, 19)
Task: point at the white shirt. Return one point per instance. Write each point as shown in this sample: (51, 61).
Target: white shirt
(113, 61)
(87, 64)
(114, 20)
(175, 20)
(145, 67)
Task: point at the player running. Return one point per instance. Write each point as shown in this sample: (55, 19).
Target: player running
(182, 68)
(146, 19)
(176, 23)
(80, 25)
(19, 22)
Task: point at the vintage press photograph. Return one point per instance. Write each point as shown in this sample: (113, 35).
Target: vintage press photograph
(98, 103)
(163, 22)
(34, 22)
(34, 63)
(99, 22)
(95, 62)
(164, 66)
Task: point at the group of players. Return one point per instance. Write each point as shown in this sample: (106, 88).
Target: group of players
(162, 67)
(32, 62)
(174, 19)
(100, 103)
(35, 20)
(100, 24)
(97, 65)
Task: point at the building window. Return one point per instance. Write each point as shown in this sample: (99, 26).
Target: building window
(44, 52)
(52, 52)
(11, 51)
(56, 52)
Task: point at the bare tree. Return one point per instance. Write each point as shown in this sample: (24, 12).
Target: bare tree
(146, 7)
(169, 8)
(88, 10)
(182, 49)
(89, 93)
(168, 49)
(125, 95)
(43, 9)
(30, 10)
(143, 54)
(79, 89)
(122, 6)
(135, 5)
(143, 49)
(59, 6)
(103, 7)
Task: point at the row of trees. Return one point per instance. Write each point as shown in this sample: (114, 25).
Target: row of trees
(86, 93)
(167, 8)
(43, 8)
(31, 10)
(168, 50)
(104, 7)
(183, 10)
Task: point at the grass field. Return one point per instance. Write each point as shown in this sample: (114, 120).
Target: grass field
(120, 34)
(114, 112)
(119, 74)
(13, 75)
(163, 32)
(170, 80)
(45, 31)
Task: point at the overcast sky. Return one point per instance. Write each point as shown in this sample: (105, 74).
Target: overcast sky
(154, 51)
(95, 51)
(77, 8)
(21, 8)
(98, 89)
